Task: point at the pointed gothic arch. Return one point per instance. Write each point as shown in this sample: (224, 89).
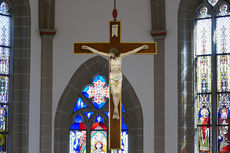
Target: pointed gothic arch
(83, 76)
(186, 13)
(187, 93)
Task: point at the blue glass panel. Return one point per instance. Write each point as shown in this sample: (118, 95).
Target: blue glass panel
(99, 119)
(79, 105)
(78, 119)
(77, 142)
(89, 114)
(99, 77)
(122, 108)
(124, 127)
(122, 120)
(78, 126)
(84, 92)
(107, 114)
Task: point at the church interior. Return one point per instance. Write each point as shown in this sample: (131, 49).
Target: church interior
(56, 101)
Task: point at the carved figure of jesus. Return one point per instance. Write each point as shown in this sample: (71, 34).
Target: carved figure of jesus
(115, 76)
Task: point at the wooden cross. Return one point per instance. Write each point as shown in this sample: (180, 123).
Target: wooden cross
(115, 35)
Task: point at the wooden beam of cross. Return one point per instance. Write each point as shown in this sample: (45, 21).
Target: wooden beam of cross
(115, 35)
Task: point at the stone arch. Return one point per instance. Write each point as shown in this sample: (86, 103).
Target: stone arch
(81, 77)
(186, 14)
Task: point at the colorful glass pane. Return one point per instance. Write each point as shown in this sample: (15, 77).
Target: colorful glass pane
(107, 114)
(4, 8)
(204, 141)
(203, 13)
(4, 83)
(78, 119)
(77, 142)
(222, 35)
(122, 108)
(4, 60)
(203, 74)
(78, 126)
(124, 126)
(223, 73)
(124, 143)
(99, 126)
(98, 91)
(223, 10)
(223, 108)
(223, 139)
(204, 109)
(79, 105)
(3, 118)
(3, 141)
(203, 45)
(99, 119)
(88, 114)
(4, 30)
(213, 2)
(99, 141)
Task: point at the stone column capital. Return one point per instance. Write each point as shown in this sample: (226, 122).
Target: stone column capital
(49, 32)
(158, 19)
(158, 34)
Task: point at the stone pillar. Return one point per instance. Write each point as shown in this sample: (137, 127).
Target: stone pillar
(47, 31)
(20, 78)
(159, 97)
(186, 129)
(46, 91)
(159, 32)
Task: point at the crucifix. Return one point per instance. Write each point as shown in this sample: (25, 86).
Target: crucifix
(115, 50)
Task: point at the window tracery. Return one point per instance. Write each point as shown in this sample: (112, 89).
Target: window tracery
(90, 121)
(212, 77)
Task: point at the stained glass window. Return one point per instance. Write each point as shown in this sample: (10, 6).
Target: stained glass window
(99, 141)
(213, 2)
(98, 92)
(212, 77)
(5, 52)
(88, 130)
(89, 114)
(77, 142)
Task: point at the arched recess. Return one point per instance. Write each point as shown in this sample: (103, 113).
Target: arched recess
(20, 76)
(186, 14)
(83, 76)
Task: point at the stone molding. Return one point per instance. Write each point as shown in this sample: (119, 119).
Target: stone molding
(185, 18)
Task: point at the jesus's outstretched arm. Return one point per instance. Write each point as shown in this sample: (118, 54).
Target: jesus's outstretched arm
(134, 51)
(95, 51)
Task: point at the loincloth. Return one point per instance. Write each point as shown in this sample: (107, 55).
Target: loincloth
(116, 79)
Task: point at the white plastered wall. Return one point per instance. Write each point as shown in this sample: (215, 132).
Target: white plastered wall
(35, 80)
(171, 102)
